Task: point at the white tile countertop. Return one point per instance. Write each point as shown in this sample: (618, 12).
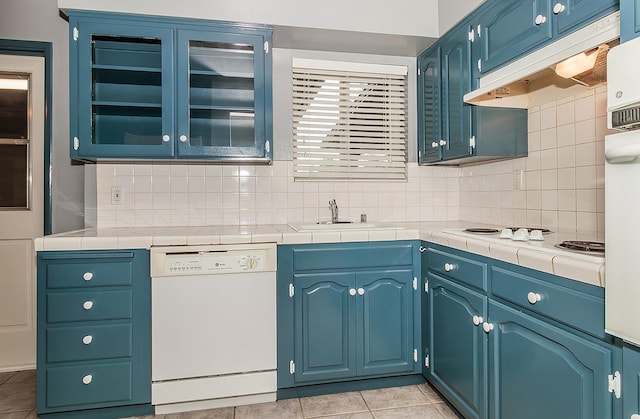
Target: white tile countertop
(542, 256)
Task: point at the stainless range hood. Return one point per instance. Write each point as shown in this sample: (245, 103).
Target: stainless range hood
(532, 79)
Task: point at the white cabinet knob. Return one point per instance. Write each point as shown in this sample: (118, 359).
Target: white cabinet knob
(183, 138)
(87, 339)
(434, 145)
(443, 142)
(487, 327)
(166, 138)
(87, 276)
(352, 292)
(533, 297)
(635, 416)
(87, 305)
(558, 8)
(448, 267)
(477, 320)
(540, 19)
(360, 291)
(87, 379)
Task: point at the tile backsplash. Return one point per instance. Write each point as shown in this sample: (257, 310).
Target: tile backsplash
(199, 194)
(562, 186)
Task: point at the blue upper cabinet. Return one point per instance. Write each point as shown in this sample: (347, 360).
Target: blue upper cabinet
(159, 88)
(509, 29)
(629, 19)
(430, 106)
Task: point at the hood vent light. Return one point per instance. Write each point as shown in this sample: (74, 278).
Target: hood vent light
(587, 68)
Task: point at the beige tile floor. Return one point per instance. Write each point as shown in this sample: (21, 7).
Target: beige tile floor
(18, 395)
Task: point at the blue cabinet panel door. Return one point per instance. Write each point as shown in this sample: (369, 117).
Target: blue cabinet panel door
(629, 19)
(430, 107)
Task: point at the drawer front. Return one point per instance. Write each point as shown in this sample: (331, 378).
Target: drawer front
(103, 383)
(78, 273)
(572, 307)
(458, 267)
(350, 256)
(85, 306)
(81, 343)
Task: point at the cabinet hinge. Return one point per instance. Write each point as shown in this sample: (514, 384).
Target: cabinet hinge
(75, 33)
(291, 291)
(418, 70)
(479, 29)
(267, 146)
(415, 355)
(266, 47)
(292, 367)
(479, 64)
(472, 141)
(426, 361)
(415, 283)
(76, 143)
(426, 286)
(615, 384)
(472, 35)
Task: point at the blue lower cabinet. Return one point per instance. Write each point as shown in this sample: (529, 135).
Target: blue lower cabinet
(325, 335)
(537, 370)
(494, 354)
(343, 317)
(458, 347)
(94, 334)
(630, 381)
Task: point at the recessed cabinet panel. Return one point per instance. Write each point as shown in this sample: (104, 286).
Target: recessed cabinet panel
(430, 107)
(457, 81)
(511, 28)
(629, 19)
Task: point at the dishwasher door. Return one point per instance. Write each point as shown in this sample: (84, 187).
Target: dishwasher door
(214, 324)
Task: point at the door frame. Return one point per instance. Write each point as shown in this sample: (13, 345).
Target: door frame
(45, 50)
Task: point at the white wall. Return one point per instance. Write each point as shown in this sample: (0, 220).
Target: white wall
(399, 17)
(39, 20)
(451, 12)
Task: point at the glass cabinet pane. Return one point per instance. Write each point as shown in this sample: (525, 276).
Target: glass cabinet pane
(126, 90)
(221, 94)
(14, 175)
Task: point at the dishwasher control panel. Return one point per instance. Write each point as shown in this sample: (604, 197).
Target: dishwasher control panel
(203, 260)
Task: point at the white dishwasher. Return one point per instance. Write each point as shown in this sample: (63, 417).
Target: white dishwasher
(213, 333)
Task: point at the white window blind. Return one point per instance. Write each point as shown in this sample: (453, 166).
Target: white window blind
(349, 120)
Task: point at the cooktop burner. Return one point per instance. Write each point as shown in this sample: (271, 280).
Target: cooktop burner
(480, 230)
(582, 246)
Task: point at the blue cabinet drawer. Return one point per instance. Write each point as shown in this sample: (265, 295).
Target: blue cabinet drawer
(84, 306)
(89, 384)
(81, 343)
(89, 273)
(351, 256)
(570, 306)
(458, 267)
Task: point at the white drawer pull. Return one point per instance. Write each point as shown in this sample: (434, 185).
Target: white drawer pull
(487, 327)
(87, 305)
(183, 138)
(87, 276)
(448, 267)
(87, 339)
(166, 138)
(533, 297)
(360, 291)
(352, 292)
(87, 379)
(477, 320)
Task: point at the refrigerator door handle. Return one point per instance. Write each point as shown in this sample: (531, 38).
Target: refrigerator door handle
(623, 154)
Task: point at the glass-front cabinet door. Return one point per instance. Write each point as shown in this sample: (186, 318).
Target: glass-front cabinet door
(125, 95)
(221, 96)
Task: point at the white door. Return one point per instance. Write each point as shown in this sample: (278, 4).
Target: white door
(21, 204)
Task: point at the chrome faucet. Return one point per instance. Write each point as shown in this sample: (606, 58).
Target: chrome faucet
(334, 210)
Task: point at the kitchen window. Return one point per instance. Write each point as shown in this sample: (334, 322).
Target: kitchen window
(14, 142)
(349, 121)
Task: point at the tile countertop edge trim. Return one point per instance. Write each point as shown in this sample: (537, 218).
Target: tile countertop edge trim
(561, 265)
